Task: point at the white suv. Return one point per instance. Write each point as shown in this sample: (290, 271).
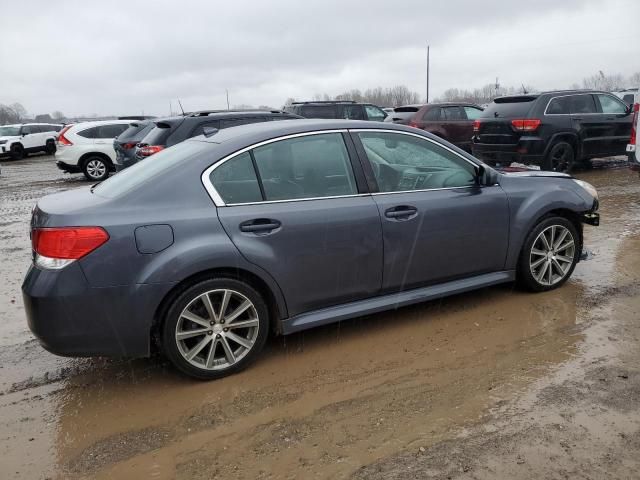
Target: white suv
(88, 148)
(18, 141)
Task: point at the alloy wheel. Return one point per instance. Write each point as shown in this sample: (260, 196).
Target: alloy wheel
(217, 329)
(96, 169)
(552, 255)
(561, 159)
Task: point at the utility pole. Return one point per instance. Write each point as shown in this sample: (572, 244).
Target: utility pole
(227, 90)
(428, 48)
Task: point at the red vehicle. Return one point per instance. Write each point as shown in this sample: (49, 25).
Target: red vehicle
(451, 121)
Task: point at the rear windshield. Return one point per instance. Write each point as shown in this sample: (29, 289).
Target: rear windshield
(159, 134)
(405, 109)
(509, 108)
(319, 111)
(136, 131)
(149, 169)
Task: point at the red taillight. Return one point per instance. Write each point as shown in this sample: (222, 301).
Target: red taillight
(476, 126)
(62, 140)
(149, 150)
(129, 146)
(634, 124)
(526, 124)
(413, 124)
(69, 243)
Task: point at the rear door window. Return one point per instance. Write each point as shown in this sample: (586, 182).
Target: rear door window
(453, 113)
(610, 104)
(236, 180)
(312, 166)
(111, 130)
(433, 115)
(352, 112)
(582, 104)
(88, 132)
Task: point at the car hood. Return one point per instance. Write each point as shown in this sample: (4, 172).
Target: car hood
(8, 137)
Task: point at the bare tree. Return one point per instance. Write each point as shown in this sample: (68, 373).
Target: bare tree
(57, 115)
(608, 83)
(634, 80)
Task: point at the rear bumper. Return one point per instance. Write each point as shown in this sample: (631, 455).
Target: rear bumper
(528, 150)
(632, 157)
(65, 167)
(123, 162)
(71, 318)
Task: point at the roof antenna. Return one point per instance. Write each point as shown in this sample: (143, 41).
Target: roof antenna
(182, 109)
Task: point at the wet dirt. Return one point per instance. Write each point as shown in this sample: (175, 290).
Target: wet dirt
(492, 384)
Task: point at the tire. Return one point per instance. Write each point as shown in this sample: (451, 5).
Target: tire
(234, 348)
(95, 168)
(561, 258)
(560, 158)
(17, 152)
(50, 147)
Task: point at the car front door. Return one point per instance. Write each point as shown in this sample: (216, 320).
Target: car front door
(30, 135)
(618, 120)
(297, 207)
(589, 123)
(437, 223)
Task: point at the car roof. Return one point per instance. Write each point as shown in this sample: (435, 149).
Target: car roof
(256, 132)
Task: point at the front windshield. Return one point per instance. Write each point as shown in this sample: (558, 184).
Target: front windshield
(9, 131)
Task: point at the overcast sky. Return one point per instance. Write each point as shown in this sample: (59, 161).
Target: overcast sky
(112, 57)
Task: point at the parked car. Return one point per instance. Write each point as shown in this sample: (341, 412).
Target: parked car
(88, 148)
(554, 130)
(403, 114)
(451, 121)
(627, 95)
(17, 141)
(125, 143)
(633, 148)
(346, 109)
(284, 226)
(173, 130)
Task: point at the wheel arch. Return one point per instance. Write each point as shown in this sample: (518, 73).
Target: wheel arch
(260, 285)
(86, 156)
(570, 138)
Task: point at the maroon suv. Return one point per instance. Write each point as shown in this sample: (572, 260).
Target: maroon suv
(451, 121)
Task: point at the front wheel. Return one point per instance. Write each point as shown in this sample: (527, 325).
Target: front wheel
(549, 255)
(95, 169)
(17, 152)
(50, 147)
(215, 328)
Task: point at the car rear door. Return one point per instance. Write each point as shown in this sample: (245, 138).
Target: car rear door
(590, 124)
(618, 118)
(298, 208)
(437, 224)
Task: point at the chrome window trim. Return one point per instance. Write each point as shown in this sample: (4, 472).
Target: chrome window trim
(217, 199)
(575, 95)
(219, 202)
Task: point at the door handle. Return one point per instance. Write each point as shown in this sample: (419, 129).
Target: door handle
(259, 225)
(401, 212)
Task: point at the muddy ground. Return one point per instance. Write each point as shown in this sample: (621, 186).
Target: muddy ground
(495, 384)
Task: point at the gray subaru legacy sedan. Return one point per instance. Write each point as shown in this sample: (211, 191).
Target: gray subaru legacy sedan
(211, 244)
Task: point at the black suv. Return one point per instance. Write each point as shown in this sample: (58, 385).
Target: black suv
(173, 130)
(346, 109)
(552, 129)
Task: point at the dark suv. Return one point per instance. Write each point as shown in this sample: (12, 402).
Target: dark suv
(346, 109)
(552, 129)
(451, 121)
(173, 130)
(125, 143)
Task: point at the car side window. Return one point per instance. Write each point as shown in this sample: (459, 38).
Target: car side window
(406, 162)
(433, 115)
(582, 104)
(610, 104)
(26, 130)
(111, 131)
(375, 114)
(559, 106)
(88, 132)
(453, 113)
(319, 111)
(352, 112)
(236, 180)
(472, 112)
(311, 166)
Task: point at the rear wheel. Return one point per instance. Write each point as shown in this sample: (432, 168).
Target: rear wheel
(17, 152)
(549, 255)
(215, 328)
(95, 169)
(560, 158)
(50, 147)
